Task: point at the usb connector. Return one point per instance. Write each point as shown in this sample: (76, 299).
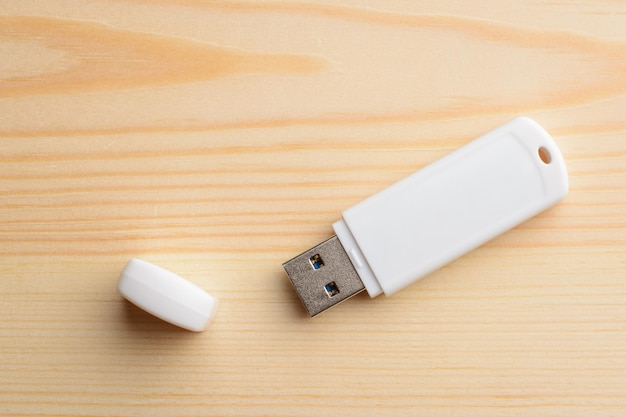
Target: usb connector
(323, 276)
(433, 216)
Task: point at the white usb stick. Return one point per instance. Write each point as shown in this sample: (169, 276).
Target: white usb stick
(434, 216)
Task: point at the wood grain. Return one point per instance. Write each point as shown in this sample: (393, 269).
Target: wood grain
(219, 139)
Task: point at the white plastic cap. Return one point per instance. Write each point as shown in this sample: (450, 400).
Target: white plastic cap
(166, 295)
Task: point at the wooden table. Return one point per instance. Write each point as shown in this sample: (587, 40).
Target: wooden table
(219, 139)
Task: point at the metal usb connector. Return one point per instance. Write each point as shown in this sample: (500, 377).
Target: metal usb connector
(323, 276)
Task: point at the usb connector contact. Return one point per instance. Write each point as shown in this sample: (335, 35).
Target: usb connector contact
(323, 276)
(432, 217)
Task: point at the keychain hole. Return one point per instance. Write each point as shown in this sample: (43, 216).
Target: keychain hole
(544, 155)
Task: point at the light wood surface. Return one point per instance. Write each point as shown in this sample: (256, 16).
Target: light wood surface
(219, 139)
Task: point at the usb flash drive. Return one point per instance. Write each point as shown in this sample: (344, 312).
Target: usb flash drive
(434, 216)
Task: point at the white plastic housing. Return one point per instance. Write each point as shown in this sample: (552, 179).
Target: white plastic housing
(166, 295)
(452, 206)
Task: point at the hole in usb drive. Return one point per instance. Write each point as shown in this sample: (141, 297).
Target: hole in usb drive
(316, 261)
(544, 155)
(331, 289)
